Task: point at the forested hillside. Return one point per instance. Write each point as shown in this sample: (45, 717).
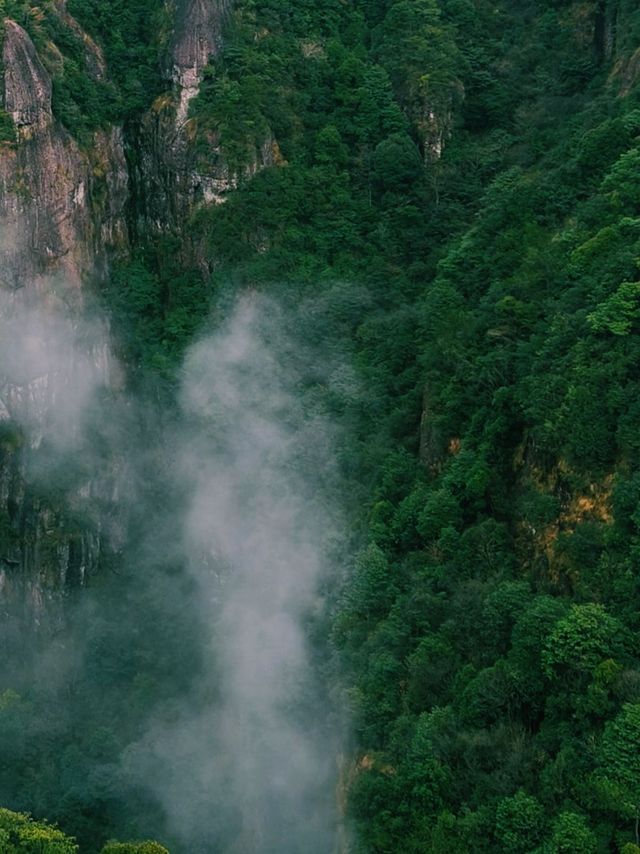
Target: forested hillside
(443, 198)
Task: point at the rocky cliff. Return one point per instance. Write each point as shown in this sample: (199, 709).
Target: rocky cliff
(70, 205)
(173, 176)
(65, 214)
(168, 177)
(62, 214)
(62, 209)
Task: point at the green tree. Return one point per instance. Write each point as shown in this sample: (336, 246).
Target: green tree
(20, 834)
(520, 823)
(619, 312)
(416, 47)
(571, 834)
(618, 777)
(583, 639)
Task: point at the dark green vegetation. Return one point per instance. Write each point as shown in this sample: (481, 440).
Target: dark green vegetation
(19, 834)
(490, 300)
(489, 635)
(130, 38)
(157, 307)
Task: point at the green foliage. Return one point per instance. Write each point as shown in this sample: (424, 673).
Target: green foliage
(520, 823)
(617, 780)
(19, 834)
(133, 36)
(84, 96)
(7, 128)
(487, 303)
(156, 307)
(418, 49)
(582, 640)
(17, 10)
(571, 833)
(521, 627)
(618, 313)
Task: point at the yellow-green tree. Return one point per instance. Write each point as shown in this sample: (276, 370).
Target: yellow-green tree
(20, 834)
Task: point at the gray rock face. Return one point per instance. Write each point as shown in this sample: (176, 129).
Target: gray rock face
(170, 179)
(27, 86)
(41, 554)
(197, 37)
(173, 179)
(61, 209)
(197, 32)
(44, 218)
(65, 212)
(62, 217)
(52, 369)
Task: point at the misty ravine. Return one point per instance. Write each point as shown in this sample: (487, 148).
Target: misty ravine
(226, 504)
(166, 541)
(319, 427)
(254, 468)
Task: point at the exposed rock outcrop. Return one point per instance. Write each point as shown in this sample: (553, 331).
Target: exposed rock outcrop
(42, 554)
(197, 37)
(170, 181)
(66, 210)
(174, 177)
(27, 86)
(62, 216)
(61, 209)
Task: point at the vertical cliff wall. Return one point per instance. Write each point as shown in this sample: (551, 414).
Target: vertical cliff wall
(62, 215)
(168, 176)
(62, 209)
(69, 206)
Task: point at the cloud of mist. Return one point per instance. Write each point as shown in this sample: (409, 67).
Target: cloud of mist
(51, 367)
(245, 760)
(256, 535)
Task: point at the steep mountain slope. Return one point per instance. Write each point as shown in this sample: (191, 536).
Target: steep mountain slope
(75, 193)
(62, 215)
(443, 195)
(489, 629)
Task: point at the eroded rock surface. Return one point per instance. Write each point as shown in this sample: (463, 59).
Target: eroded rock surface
(197, 37)
(62, 217)
(170, 181)
(62, 209)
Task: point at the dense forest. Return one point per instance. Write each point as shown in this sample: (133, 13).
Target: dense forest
(448, 219)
